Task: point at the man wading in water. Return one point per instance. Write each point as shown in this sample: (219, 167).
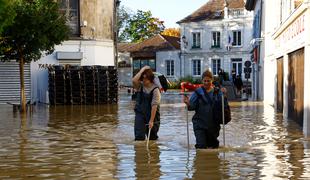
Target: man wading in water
(147, 104)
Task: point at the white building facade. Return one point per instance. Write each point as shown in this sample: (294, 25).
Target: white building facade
(168, 64)
(221, 40)
(285, 51)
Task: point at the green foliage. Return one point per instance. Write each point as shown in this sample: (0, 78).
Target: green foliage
(139, 26)
(191, 80)
(174, 85)
(123, 16)
(37, 28)
(7, 13)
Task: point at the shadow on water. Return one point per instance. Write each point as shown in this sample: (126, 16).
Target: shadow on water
(96, 142)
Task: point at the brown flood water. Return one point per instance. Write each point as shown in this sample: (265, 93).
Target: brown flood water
(96, 142)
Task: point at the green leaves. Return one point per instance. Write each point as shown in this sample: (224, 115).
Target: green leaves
(37, 27)
(7, 13)
(139, 26)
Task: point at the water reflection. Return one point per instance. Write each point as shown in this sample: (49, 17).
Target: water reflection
(97, 142)
(207, 165)
(147, 161)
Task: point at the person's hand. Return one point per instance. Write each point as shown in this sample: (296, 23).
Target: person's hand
(186, 99)
(151, 123)
(145, 67)
(224, 90)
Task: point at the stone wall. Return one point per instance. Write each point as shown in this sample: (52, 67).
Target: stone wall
(99, 17)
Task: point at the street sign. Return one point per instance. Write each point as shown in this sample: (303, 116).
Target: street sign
(247, 70)
(247, 75)
(247, 63)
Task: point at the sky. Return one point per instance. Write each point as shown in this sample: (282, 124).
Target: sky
(169, 11)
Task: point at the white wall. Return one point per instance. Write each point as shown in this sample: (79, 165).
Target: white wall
(161, 58)
(94, 53)
(206, 53)
(125, 73)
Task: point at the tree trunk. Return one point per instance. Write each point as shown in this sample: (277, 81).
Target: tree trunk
(22, 86)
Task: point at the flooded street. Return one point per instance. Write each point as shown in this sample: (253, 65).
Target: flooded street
(96, 142)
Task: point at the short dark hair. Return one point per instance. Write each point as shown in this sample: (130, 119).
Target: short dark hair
(148, 73)
(207, 73)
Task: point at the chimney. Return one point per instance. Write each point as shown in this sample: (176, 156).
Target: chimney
(225, 9)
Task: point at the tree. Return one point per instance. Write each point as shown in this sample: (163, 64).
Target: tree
(171, 32)
(123, 16)
(7, 13)
(141, 26)
(37, 28)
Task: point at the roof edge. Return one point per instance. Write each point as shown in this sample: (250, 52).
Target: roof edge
(168, 42)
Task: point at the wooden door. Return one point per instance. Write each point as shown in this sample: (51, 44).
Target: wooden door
(280, 84)
(296, 86)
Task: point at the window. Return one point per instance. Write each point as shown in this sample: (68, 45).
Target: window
(169, 67)
(138, 64)
(236, 12)
(216, 65)
(236, 38)
(216, 39)
(196, 40)
(196, 67)
(70, 8)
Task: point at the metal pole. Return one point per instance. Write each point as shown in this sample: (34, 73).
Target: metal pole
(223, 117)
(187, 130)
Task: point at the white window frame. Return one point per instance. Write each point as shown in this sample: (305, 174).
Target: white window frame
(235, 41)
(72, 15)
(197, 68)
(170, 67)
(217, 65)
(237, 61)
(216, 43)
(196, 40)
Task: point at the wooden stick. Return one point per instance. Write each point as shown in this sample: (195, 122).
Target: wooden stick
(148, 138)
(223, 117)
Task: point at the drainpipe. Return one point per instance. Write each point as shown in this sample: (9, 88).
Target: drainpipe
(259, 53)
(115, 30)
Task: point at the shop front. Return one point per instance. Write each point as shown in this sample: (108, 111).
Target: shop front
(292, 67)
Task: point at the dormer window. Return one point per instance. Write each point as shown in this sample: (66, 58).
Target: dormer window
(236, 12)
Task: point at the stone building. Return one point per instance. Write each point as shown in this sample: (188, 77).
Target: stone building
(216, 36)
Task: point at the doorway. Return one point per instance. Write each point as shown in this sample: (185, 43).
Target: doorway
(296, 86)
(280, 84)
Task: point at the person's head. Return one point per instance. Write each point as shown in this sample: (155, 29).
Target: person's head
(147, 76)
(207, 78)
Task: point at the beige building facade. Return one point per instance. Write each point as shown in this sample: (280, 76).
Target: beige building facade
(92, 41)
